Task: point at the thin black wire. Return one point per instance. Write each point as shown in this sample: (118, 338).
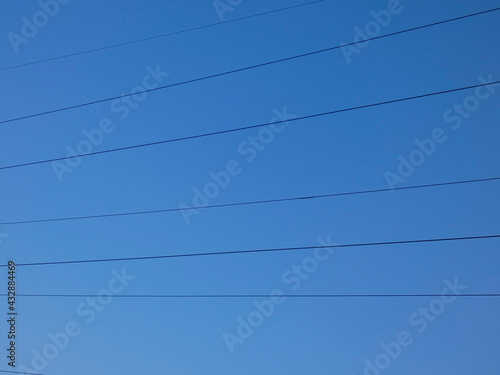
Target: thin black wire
(267, 201)
(160, 36)
(254, 126)
(253, 251)
(254, 295)
(248, 67)
(17, 372)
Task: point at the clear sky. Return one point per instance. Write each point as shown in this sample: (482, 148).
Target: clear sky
(344, 152)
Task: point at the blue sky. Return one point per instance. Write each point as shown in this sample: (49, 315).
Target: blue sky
(343, 152)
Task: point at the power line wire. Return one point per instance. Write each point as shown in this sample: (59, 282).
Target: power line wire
(160, 36)
(210, 134)
(17, 372)
(246, 68)
(254, 251)
(236, 204)
(255, 295)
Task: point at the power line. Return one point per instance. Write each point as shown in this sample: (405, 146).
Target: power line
(210, 134)
(482, 295)
(17, 372)
(254, 251)
(247, 67)
(160, 36)
(236, 204)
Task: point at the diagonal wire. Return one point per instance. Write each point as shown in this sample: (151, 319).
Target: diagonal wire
(255, 251)
(160, 36)
(237, 204)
